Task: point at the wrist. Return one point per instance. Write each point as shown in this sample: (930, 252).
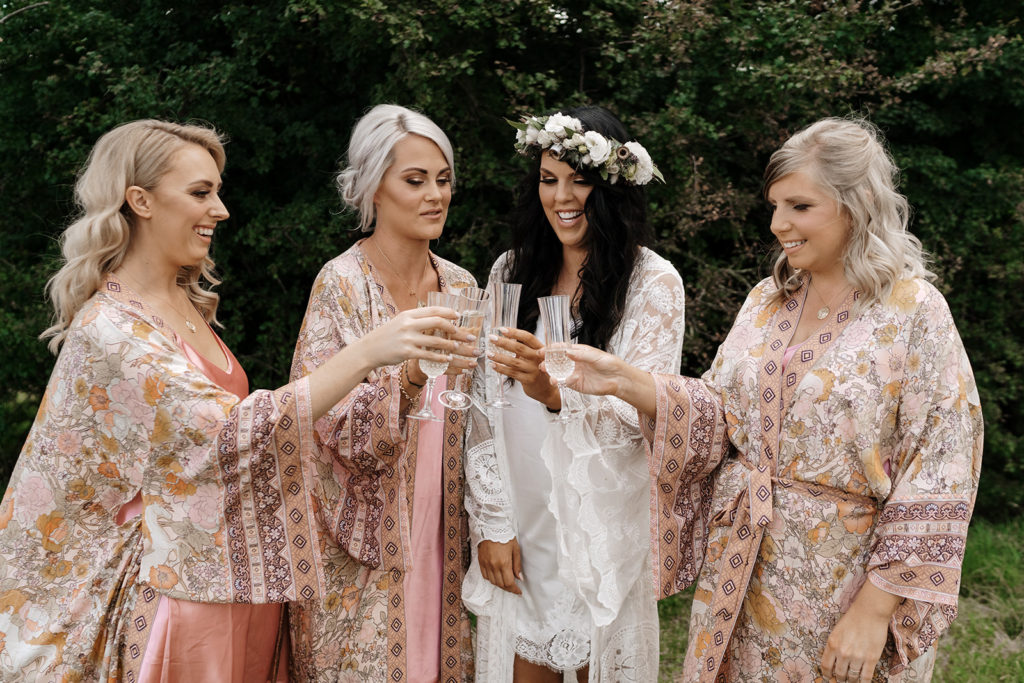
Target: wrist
(414, 375)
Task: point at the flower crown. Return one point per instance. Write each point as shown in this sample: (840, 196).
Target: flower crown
(564, 137)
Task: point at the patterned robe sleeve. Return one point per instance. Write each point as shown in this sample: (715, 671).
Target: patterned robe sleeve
(921, 532)
(361, 438)
(227, 515)
(487, 497)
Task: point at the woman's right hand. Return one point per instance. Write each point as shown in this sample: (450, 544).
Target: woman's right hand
(406, 337)
(501, 564)
(597, 372)
(601, 374)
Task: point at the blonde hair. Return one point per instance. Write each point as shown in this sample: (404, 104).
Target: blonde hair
(848, 159)
(371, 153)
(136, 153)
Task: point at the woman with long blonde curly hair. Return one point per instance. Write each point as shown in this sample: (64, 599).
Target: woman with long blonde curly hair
(818, 480)
(160, 513)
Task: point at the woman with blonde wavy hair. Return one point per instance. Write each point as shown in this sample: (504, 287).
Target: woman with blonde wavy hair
(155, 492)
(818, 480)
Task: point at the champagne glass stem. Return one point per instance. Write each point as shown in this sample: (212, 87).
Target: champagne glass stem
(428, 395)
(563, 413)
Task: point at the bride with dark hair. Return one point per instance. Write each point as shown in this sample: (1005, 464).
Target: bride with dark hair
(559, 517)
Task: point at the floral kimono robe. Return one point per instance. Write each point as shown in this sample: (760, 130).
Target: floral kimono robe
(599, 506)
(227, 514)
(857, 461)
(366, 462)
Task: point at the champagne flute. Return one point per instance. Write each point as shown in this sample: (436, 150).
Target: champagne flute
(473, 303)
(504, 313)
(555, 317)
(432, 368)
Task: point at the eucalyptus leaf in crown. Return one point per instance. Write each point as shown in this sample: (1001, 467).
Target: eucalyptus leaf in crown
(565, 138)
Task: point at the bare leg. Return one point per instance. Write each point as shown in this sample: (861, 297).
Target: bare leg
(583, 674)
(528, 672)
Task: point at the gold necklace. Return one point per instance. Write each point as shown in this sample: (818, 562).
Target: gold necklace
(413, 293)
(826, 309)
(188, 323)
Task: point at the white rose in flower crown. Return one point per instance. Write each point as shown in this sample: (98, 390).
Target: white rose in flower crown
(644, 165)
(545, 138)
(557, 123)
(598, 145)
(531, 135)
(520, 137)
(575, 141)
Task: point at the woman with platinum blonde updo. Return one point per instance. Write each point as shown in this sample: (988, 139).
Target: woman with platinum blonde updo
(392, 512)
(561, 578)
(160, 513)
(820, 476)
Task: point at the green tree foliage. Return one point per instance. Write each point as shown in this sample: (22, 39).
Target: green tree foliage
(711, 88)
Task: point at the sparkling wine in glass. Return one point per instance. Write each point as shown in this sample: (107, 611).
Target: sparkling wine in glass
(504, 313)
(434, 369)
(555, 318)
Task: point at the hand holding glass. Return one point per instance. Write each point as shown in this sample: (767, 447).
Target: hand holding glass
(434, 369)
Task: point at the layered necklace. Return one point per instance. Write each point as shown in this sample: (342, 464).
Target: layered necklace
(132, 281)
(414, 293)
(827, 308)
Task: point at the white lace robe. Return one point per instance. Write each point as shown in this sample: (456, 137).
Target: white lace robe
(600, 501)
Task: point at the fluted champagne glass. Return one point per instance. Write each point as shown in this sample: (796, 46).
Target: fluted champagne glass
(472, 310)
(555, 318)
(434, 369)
(504, 313)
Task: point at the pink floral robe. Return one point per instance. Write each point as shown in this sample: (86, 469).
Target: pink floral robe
(366, 463)
(857, 461)
(227, 515)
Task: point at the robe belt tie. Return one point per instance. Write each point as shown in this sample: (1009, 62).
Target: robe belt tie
(749, 514)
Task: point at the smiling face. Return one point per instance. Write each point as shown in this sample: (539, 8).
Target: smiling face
(809, 224)
(563, 194)
(413, 196)
(184, 208)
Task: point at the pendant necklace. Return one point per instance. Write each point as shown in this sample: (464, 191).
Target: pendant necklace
(188, 323)
(827, 308)
(413, 293)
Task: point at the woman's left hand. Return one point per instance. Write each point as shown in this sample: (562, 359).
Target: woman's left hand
(855, 644)
(520, 359)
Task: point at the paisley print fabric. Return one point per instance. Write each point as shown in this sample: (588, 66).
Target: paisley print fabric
(365, 466)
(858, 461)
(227, 513)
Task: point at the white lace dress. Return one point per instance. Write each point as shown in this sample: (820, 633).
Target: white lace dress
(577, 497)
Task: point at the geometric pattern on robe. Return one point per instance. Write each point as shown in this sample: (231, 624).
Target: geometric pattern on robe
(597, 462)
(873, 476)
(366, 468)
(227, 514)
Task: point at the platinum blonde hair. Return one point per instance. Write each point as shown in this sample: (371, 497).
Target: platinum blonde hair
(136, 153)
(371, 153)
(848, 159)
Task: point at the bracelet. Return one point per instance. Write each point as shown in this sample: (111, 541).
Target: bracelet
(405, 370)
(401, 387)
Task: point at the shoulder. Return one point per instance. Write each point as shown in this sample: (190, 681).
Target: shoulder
(652, 266)
(919, 304)
(455, 276)
(345, 265)
(500, 267)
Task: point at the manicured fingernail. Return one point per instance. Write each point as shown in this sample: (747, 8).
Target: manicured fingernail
(470, 337)
(503, 330)
(493, 337)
